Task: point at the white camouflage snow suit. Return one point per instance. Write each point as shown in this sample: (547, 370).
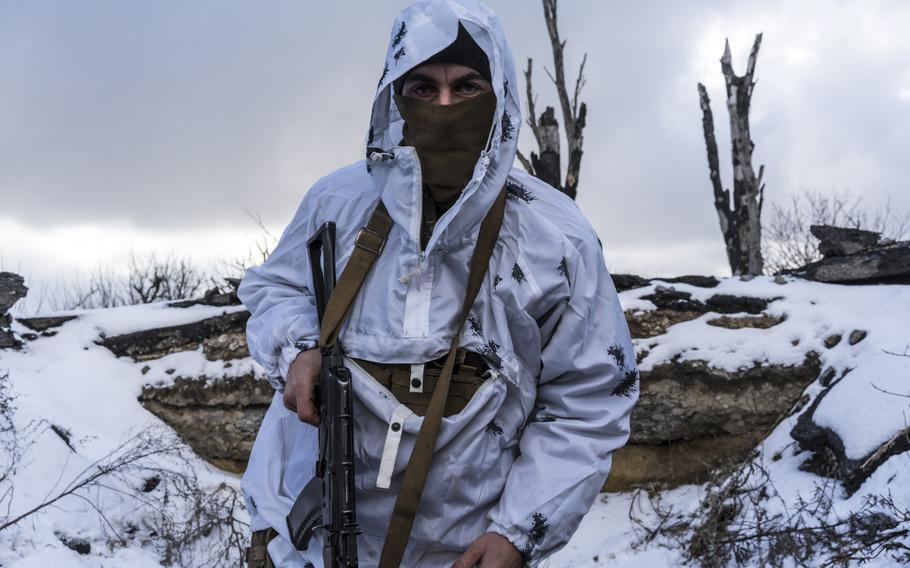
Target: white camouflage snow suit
(529, 453)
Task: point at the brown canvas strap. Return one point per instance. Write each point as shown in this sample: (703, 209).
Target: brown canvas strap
(416, 473)
(367, 248)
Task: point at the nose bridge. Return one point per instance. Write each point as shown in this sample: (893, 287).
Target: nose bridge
(445, 94)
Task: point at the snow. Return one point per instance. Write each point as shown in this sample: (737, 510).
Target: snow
(881, 414)
(69, 381)
(605, 534)
(813, 312)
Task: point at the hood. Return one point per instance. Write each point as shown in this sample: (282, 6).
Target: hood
(419, 32)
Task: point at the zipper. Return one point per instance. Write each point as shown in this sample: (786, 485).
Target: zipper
(421, 258)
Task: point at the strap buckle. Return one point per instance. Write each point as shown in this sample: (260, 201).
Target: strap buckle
(370, 240)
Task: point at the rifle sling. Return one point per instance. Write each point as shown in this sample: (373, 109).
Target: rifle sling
(415, 474)
(367, 248)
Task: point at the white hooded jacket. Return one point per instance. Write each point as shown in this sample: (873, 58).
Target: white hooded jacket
(529, 453)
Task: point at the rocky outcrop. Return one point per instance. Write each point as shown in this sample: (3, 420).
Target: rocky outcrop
(669, 298)
(12, 289)
(222, 337)
(829, 457)
(686, 400)
(45, 323)
(841, 241)
(656, 322)
(854, 256)
(625, 282)
(218, 418)
(676, 463)
(674, 306)
(214, 296)
(762, 321)
(692, 418)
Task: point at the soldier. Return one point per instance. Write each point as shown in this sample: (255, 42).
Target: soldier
(545, 377)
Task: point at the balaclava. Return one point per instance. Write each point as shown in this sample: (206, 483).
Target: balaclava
(449, 138)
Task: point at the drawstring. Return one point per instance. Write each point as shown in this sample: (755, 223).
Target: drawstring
(382, 156)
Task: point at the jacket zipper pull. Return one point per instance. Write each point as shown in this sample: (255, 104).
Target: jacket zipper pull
(411, 275)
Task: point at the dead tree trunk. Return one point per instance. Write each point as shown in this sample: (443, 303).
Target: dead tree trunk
(741, 224)
(547, 164)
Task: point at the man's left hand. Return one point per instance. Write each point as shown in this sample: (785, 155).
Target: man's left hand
(491, 550)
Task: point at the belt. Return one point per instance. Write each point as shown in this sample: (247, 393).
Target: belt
(414, 388)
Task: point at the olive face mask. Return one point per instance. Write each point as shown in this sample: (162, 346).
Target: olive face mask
(448, 140)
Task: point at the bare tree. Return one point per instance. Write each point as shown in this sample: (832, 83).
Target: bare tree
(547, 164)
(236, 267)
(788, 243)
(148, 279)
(741, 223)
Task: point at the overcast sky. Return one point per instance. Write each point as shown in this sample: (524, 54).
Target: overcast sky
(158, 125)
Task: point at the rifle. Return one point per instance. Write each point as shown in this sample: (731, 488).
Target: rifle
(328, 500)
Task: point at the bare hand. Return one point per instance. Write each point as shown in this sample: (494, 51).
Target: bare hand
(491, 550)
(299, 389)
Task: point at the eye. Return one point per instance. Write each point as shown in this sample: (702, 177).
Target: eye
(423, 90)
(469, 88)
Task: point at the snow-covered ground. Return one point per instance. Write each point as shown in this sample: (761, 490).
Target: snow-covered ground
(89, 397)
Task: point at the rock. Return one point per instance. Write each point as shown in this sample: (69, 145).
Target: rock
(763, 321)
(214, 296)
(153, 343)
(882, 264)
(12, 289)
(693, 280)
(624, 282)
(226, 346)
(78, 545)
(832, 340)
(8, 340)
(669, 298)
(779, 279)
(730, 304)
(676, 463)
(674, 306)
(829, 458)
(827, 376)
(44, 323)
(856, 336)
(841, 241)
(692, 418)
(686, 400)
(652, 323)
(218, 418)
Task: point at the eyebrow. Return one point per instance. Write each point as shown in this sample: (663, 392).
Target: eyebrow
(420, 77)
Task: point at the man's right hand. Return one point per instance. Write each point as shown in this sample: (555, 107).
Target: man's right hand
(300, 386)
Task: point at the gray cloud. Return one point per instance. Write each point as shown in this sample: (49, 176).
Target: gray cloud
(169, 116)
